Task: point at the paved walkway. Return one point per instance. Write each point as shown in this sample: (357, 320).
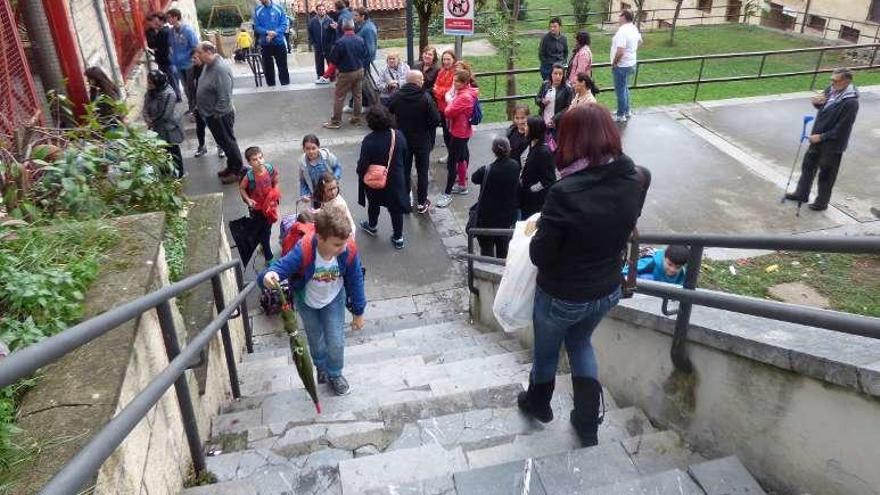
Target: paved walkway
(718, 167)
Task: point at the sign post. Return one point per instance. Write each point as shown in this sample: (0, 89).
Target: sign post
(458, 21)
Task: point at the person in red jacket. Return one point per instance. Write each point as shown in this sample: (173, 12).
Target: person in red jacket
(458, 119)
(442, 86)
(259, 191)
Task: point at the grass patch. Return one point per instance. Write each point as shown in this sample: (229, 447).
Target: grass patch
(850, 282)
(175, 244)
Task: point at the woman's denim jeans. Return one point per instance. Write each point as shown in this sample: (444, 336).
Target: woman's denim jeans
(325, 330)
(557, 321)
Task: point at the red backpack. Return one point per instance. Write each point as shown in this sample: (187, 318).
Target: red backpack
(308, 251)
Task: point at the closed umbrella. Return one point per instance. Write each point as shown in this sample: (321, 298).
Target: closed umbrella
(298, 348)
(245, 232)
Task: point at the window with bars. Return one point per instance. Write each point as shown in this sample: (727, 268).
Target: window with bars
(816, 22)
(849, 34)
(705, 5)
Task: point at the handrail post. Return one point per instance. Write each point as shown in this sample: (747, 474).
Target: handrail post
(699, 77)
(470, 262)
(761, 68)
(816, 72)
(678, 353)
(245, 318)
(181, 388)
(220, 304)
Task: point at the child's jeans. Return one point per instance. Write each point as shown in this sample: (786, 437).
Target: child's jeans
(325, 330)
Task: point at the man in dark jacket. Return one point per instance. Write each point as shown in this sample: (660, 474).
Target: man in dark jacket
(321, 37)
(348, 55)
(553, 48)
(418, 118)
(838, 106)
(159, 43)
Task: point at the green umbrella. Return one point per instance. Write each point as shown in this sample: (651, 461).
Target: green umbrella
(301, 357)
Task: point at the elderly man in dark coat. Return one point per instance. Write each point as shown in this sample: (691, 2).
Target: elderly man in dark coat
(418, 118)
(838, 106)
(378, 148)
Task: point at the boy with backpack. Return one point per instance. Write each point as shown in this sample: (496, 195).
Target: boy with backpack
(259, 191)
(325, 274)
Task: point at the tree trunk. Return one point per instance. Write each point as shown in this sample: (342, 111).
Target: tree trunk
(675, 21)
(511, 60)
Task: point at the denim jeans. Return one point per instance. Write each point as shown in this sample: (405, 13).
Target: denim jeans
(557, 321)
(325, 330)
(546, 70)
(621, 88)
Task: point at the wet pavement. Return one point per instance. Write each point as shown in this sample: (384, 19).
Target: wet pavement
(717, 168)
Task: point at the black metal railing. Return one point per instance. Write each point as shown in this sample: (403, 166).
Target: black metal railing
(689, 295)
(83, 466)
(761, 73)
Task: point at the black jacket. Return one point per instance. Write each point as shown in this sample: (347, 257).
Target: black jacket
(584, 226)
(160, 42)
(835, 122)
(564, 95)
(518, 143)
(417, 116)
(540, 168)
(497, 201)
(553, 49)
(374, 151)
(430, 74)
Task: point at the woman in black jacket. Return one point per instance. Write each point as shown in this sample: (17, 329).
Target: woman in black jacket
(539, 172)
(518, 132)
(586, 220)
(429, 65)
(554, 98)
(394, 197)
(496, 206)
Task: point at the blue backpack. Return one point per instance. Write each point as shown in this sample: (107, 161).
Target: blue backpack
(477, 114)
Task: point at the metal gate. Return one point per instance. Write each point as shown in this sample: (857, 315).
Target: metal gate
(126, 19)
(18, 98)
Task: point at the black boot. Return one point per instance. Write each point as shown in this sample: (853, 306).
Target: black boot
(585, 417)
(536, 401)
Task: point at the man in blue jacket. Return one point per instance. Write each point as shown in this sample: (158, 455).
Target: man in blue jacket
(349, 54)
(368, 32)
(270, 24)
(343, 13)
(321, 37)
(183, 43)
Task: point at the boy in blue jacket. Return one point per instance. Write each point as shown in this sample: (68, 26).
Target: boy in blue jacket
(324, 270)
(665, 265)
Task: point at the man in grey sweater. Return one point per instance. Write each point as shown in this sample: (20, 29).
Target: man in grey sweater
(214, 102)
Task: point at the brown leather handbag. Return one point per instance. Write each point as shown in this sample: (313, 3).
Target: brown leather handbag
(376, 176)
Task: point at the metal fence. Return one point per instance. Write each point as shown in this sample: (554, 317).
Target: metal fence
(701, 63)
(83, 466)
(689, 294)
(18, 98)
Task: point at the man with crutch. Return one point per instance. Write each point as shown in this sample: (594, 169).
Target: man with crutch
(837, 108)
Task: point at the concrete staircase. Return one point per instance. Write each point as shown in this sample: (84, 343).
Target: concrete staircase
(433, 411)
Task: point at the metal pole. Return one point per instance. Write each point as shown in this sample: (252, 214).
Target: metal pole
(410, 55)
(678, 353)
(816, 72)
(181, 387)
(245, 318)
(219, 302)
(761, 68)
(699, 78)
(459, 41)
(470, 262)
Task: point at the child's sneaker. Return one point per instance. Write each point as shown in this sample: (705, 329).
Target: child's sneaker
(365, 226)
(423, 208)
(443, 200)
(462, 190)
(398, 243)
(340, 385)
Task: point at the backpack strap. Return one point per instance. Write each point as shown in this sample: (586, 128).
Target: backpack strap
(308, 252)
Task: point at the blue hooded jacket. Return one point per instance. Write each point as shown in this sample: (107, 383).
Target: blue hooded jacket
(370, 34)
(270, 18)
(183, 43)
(352, 274)
(651, 268)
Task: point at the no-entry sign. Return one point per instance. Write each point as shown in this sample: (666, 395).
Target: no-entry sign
(458, 17)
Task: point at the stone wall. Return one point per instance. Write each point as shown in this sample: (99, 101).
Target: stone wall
(798, 405)
(76, 396)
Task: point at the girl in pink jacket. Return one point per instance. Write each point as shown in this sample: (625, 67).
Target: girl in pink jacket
(581, 59)
(458, 119)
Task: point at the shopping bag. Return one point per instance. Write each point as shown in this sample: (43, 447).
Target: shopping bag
(515, 298)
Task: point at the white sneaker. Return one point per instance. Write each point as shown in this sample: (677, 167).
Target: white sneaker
(322, 80)
(462, 190)
(346, 109)
(444, 200)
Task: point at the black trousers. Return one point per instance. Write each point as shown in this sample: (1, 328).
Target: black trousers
(493, 246)
(200, 128)
(396, 219)
(265, 233)
(423, 162)
(319, 62)
(825, 161)
(221, 127)
(272, 55)
(458, 152)
(174, 149)
(188, 79)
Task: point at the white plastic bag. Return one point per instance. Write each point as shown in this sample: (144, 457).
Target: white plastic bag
(515, 298)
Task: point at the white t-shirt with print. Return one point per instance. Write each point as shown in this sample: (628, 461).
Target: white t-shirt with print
(628, 37)
(325, 284)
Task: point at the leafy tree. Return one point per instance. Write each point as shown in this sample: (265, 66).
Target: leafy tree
(503, 34)
(675, 21)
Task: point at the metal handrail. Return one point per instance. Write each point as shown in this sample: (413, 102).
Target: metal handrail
(700, 80)
(688, 295)
(23, 363)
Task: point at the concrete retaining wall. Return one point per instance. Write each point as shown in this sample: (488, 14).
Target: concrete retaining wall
(798, 405)
(76, 396)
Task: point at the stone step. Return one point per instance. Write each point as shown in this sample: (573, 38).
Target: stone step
(618, 425)
(404, 466)
(396, 374)
(658, 452)
(725, 476)
(673, 482)
(438, 332)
